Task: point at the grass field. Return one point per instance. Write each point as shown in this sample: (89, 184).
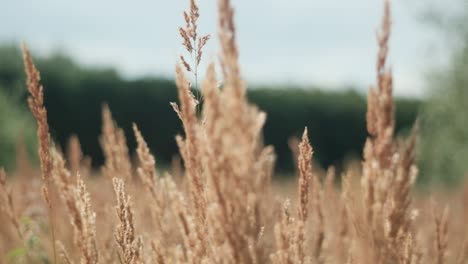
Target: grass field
(220, 204)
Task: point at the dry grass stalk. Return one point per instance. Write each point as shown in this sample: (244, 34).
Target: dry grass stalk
(441, 234)
(78, 203)
(87, 231)
(291, 232)
(284, 237)
(147, 168)
(335, 214)
(149, 177)
(379, 149)
(158, 252)
(213, 168)
(388, 174)
(305, 175)
(406, 256)
(74, 154)
(319, 232)
(229, 51)
(36, 105)
(130, 246)
(7, 205)
(192, 42)
(405, 176)
(63, 253)
(380, 114)
(233, 151)
(189, 147)
(114, 146)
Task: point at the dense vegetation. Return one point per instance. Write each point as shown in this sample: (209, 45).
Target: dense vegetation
(75, 94)
(445, 132)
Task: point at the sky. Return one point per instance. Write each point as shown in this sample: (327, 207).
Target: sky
(326, 43)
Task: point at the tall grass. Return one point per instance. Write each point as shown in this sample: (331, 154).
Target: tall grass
(224, 207)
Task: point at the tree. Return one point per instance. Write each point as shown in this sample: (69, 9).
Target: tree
(444, 137)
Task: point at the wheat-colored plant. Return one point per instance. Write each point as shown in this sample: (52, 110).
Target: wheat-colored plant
(36, 105)
(78, 203)
(114, 146)
(222, 205)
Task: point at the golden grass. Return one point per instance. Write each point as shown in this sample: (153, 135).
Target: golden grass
(223, 207)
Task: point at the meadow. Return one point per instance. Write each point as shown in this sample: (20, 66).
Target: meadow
(221, 203)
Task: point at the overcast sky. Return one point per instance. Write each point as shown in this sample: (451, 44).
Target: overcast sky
(328, 43)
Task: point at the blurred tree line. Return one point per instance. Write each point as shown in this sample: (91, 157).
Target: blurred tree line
(74, 95)
(444, 149)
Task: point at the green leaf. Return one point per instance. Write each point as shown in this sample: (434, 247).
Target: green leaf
(44, 259)
(32, 241)
(25, 220)
(16, 253)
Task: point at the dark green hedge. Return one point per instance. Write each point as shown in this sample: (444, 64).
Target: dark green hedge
(74, 95)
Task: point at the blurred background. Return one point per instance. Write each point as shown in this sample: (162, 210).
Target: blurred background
(307, 63)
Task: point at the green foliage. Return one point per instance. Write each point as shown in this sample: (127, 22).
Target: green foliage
(11, 70)
(15, 124)
(444, 148)
(74, 96)
(15, 121)
(444, 139)
(16, 254)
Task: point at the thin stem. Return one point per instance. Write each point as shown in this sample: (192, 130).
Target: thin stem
(51, 223)
(193, 56)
